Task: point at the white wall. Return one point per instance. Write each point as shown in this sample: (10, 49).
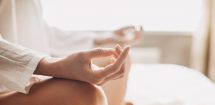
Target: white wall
(212, 47)
(199, 43)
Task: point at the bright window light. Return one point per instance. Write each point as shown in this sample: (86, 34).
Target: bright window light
(154, 15)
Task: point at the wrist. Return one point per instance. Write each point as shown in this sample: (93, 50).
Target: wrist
(48, 66)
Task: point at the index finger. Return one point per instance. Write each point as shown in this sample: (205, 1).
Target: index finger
(100, 52)
(113, 68)
(121, 59)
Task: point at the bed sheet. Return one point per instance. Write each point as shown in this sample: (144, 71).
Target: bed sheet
(166, 84)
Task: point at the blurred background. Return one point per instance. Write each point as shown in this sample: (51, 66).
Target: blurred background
(173, 65)
(176, 31)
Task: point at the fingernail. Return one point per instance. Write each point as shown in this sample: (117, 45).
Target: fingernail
(127, 47)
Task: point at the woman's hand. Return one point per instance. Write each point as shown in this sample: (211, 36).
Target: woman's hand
(129, 35)
(78, 66)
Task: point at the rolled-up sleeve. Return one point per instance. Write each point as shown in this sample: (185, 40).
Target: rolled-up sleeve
(17, 64)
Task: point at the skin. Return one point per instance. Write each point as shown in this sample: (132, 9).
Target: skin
(119, 37)
(115, 90)
(78, 66)
(57, 92)
(75, 76)
(74, 67)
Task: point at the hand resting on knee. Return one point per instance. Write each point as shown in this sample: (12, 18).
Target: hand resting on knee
(78, 66)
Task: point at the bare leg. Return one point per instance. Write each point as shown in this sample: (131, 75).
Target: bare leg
(57, 92)
(69, 92)
(115, 90)
(129, 103)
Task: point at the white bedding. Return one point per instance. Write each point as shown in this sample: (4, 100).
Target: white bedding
(157, 84)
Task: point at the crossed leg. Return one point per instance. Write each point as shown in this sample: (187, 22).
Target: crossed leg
(115, 90)
(57, 92)
(69, 92)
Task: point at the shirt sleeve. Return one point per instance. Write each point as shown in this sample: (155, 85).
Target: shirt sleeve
(63, 42)
(17, 65)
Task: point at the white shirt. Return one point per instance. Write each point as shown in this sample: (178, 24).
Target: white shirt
(17, 65)
(21, 24)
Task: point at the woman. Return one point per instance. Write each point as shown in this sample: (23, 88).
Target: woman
(21, 23)
(20, 63)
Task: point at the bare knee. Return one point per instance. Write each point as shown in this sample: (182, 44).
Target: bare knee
(71, 92)
(92, 95)
(58, 92)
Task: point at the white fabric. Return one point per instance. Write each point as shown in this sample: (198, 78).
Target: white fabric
(63, 43)
(21, 23)
(212, 41)
(166, 84)
(17, 65)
